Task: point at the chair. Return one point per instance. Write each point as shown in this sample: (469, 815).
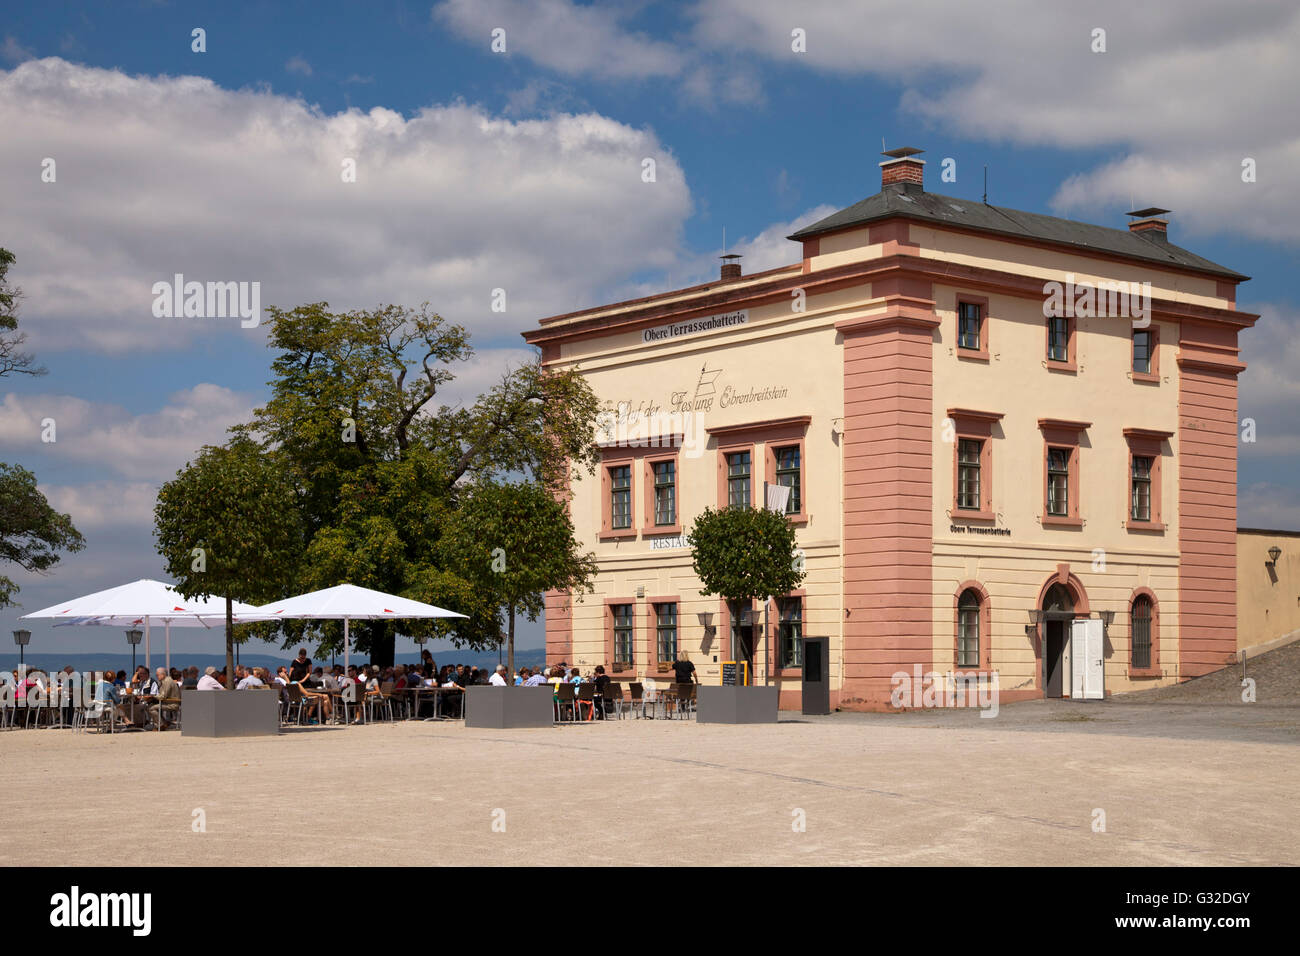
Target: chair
(8, 707)
(169, 712)
(100, 712)
(383, 699)
(586, 698)
(614, 695)
(691, 698)
(301, 701)
(353, 702)
(564, 695)
(638, 697)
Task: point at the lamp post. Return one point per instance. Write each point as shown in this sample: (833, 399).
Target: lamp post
(22, 637)
(133, 638)
(1273, 553)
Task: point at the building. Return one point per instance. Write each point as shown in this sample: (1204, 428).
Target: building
(992, 423)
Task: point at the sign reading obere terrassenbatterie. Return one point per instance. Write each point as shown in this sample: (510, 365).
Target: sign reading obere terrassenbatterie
(708, 323)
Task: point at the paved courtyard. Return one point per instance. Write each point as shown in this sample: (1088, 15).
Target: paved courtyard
(1179, 783)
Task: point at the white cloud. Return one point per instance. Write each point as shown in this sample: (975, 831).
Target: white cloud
(1184, 95)
(1270, 388)
(770, 248)
(1268, 505)
(298, 65)
(148, 446)
(104, 504)
(164, 175)
(563, 36)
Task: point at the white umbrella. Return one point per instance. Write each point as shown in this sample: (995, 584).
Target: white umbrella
(144, 602)
(347, 602)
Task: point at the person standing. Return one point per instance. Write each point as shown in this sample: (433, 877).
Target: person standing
(300, 667)
(684, 669)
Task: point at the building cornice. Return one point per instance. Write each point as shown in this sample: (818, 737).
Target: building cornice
(784, 281)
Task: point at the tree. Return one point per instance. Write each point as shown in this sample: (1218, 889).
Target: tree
(515, 542)
(745, 553)
(31, 532)
(12, 357)
(228, 525)
(380, 468)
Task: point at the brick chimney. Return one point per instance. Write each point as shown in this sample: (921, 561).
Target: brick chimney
(1148, 221)
(730, 266)
(901, 167)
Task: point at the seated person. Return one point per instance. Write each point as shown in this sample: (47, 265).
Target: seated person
(164, 711)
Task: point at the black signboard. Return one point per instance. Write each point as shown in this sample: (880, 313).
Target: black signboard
(729, 671)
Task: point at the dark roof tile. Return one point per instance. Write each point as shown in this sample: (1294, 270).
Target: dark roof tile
(912, 202)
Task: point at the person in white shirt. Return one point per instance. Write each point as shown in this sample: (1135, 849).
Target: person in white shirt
(498, 678)
(209, 681)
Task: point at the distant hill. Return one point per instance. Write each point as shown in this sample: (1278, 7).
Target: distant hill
(86, 660)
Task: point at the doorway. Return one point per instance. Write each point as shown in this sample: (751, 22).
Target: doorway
(1058, 612)
(1054, 658)
(742, 638)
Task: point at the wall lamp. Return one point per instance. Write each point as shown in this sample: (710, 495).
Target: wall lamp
(1273, 553)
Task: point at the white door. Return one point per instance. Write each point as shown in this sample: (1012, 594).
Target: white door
(1088, 660)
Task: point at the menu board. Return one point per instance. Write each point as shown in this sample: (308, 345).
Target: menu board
(735, 673)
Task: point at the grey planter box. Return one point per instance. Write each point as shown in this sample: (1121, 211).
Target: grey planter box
(501, 707)
(230, 713)
(736, 705)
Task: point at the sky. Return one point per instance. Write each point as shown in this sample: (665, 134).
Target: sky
(503, 144)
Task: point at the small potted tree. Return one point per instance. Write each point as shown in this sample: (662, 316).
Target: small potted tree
(743, 554)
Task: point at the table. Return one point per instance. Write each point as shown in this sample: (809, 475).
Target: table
(148, 700)
(438, 693)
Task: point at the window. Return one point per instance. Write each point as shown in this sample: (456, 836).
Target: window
(1142, 352)
(968, 326)
(620, 503)
(665, 475)
(1062, 499)
(1058, 481)
(1145, 453)
(789, 631)
(1140, 618)
(738, 479)
(969, 452)
(1140, 505)
(1058, 339)
(972, 467)
(968, 629)
(622, 633)
(788, 476)
(666, 631)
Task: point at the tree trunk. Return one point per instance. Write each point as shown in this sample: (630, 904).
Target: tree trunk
(383, 644)
(230, 644)
(510, 642)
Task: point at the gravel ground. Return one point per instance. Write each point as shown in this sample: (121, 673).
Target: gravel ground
(1116, 782)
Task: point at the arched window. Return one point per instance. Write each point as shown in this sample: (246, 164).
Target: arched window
(1140, 620)
(1058, 599)
(968, 629)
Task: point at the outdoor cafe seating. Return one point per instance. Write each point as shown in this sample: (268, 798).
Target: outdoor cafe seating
(64, 707)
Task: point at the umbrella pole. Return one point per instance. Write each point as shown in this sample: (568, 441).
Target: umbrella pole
(168, 641)
(146, 644)
(346, 644)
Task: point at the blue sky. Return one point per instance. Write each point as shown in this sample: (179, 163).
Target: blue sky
(521, 169)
